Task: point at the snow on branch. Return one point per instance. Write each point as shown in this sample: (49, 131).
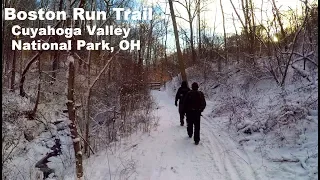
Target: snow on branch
(303, 57)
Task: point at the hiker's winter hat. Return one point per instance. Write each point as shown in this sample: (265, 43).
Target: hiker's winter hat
(195, 86)
(184, 84)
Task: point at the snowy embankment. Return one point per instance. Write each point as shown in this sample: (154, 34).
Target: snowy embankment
(277, 127)
(27, 143)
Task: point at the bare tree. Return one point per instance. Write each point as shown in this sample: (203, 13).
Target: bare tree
(248, 25)
(224, 33)
(193, 8)
(180, 60)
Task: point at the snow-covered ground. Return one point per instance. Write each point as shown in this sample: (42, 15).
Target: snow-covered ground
(168, 153)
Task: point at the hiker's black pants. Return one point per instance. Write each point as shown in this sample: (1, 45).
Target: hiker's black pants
(182, 113)
(193, 119)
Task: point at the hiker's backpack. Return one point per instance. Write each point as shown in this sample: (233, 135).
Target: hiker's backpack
(195, 101)
(183, 92)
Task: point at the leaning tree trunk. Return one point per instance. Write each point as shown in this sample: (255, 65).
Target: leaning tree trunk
(32, 60)
(34, 111)
(180, 60)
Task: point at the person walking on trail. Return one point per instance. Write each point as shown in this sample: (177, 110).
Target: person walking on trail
(182, 91)
(194, 104)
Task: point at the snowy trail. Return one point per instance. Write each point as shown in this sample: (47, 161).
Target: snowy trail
(168, 153)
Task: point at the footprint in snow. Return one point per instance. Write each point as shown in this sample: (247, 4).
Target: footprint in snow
(173, 170)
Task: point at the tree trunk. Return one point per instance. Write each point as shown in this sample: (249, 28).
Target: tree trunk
(199, 31)
(3, 47)
(165, 45)
(23, 76)
(55, 61)
(87, 117)
(34, 111)
(72, 118)
(13, 71)
(88, 96)
(224, 34)
(54, 65)
(149, 49)
(180, 60)
(237, 40)
(71, 100)
(193, 52)
(277, 14)
(252, 33)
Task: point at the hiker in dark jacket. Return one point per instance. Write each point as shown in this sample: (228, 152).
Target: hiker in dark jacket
(182, 91)
(193, 105)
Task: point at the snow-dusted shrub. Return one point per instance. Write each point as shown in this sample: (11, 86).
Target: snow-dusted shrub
(13, 110)
(139, 113)
(291, 113)
(16, 131)
(131, 112)
(284, 115)
(255, 103)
